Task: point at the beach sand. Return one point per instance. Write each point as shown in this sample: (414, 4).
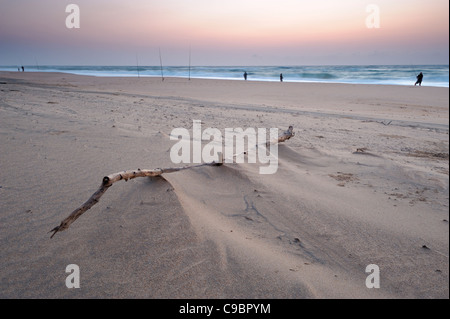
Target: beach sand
(364, 181)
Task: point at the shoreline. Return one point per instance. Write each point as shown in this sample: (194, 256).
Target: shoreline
(210, 79)
(292, 74)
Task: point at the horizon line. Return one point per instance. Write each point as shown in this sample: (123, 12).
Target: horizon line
(230, 65)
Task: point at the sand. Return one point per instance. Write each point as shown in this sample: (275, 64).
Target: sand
(364, 181)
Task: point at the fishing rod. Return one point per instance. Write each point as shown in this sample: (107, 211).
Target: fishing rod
(37, 64)
(189, 63)
(137, 66)
(160, 61)
(414, 70)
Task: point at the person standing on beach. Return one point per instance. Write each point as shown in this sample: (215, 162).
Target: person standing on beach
(23, 69)
(281, 77)
(245, 76)
(419, 79)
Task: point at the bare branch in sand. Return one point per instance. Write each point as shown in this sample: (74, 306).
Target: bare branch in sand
(286, 134)
(281, 138)
(363, 151)
(109, 180)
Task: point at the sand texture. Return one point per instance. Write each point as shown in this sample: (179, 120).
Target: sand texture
(364, 181)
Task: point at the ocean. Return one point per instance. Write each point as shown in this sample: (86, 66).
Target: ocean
(434, 75)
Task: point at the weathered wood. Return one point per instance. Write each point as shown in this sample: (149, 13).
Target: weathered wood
(109, 180)
(281, 138)
(286, 134)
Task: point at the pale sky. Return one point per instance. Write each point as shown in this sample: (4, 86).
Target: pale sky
(224, 32)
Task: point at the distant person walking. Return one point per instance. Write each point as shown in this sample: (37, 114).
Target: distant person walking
(23, 69)
(281, 77)
(245, 76)
(419, 79)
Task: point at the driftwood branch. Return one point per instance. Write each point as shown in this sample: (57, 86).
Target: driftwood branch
(286, 134)
(109, 180)
(281, 138)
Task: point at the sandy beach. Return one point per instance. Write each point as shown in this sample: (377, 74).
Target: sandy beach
(365, 181)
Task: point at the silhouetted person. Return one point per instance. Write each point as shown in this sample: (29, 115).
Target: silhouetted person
(419, 79)
(23, 69)
(281, 77)
(245, 76)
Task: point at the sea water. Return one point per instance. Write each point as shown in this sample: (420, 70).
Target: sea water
(434, 75)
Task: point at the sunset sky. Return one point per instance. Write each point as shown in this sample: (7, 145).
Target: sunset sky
(224, 32)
